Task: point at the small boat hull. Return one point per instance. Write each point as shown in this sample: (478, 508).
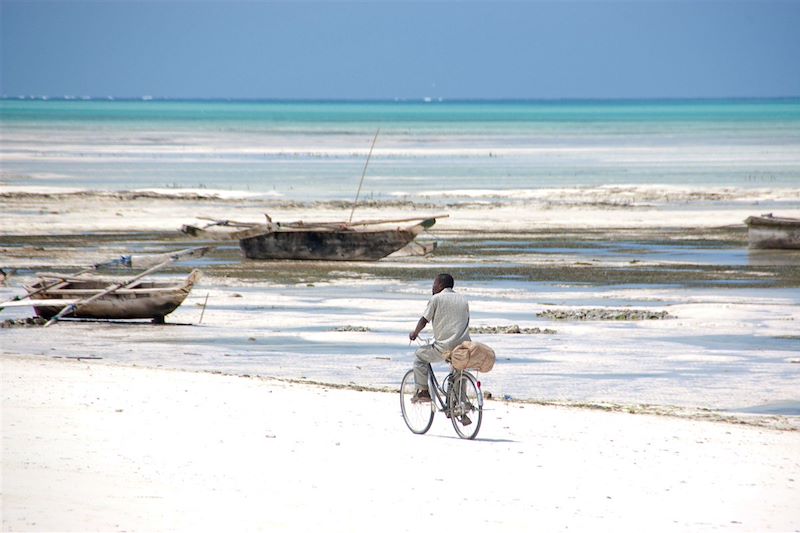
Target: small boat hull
(326, 245)
(148, 300)
(768, 232)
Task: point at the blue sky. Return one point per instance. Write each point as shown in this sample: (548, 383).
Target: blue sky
(384, 49)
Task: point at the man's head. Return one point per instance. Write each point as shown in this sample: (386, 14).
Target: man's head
(442, 282)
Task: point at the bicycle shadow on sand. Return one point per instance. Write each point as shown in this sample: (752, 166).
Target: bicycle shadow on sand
(476, 439)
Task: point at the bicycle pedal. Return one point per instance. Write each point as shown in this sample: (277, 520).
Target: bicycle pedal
(421, 396)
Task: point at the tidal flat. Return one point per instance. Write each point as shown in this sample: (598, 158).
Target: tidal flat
(729, 346)
(686, 257)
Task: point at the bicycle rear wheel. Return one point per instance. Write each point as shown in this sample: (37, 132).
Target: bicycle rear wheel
(418, 416)
(465, 402)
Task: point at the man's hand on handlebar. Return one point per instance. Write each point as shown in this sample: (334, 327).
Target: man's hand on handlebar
(420, 326)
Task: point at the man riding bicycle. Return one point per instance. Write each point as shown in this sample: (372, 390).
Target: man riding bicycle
(448, 313)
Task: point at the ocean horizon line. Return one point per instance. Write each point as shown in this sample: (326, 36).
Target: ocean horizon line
(398, 100)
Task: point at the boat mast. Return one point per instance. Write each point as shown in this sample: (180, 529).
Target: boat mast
(364, 173)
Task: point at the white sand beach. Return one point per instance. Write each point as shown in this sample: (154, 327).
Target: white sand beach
(88, 446)
(197, 424)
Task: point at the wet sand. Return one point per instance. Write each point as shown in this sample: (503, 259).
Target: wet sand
(729, 346)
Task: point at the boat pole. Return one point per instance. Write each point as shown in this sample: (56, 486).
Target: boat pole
(364, 173)
(203, 312)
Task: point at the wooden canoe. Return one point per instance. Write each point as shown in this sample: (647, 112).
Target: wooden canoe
(341, 244)
(770, 232)
(142, 299)
(319, 241)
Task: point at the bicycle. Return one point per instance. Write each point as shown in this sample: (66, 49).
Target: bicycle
(459, 397)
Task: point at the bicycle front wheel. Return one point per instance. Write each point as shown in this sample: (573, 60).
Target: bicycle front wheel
(418, 416)
(465, 402)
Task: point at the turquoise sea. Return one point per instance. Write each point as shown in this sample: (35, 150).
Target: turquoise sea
(317, 150)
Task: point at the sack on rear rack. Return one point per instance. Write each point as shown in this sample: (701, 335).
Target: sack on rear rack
(472, 355)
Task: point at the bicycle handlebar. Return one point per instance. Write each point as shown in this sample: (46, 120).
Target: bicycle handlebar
(421, 341)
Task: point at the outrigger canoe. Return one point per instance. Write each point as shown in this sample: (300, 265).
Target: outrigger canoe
(367, 240)
(140, 299)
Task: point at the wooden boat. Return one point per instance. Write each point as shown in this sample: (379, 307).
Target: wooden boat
(771, 232)
(367, 240)
(140, 299)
